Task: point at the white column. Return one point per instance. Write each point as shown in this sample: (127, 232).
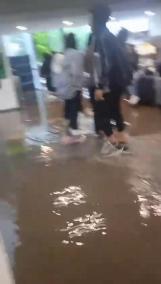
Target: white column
(6, 276)
(30, 51)
(8, 96)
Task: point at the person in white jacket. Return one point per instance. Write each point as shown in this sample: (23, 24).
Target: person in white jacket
(73, 66)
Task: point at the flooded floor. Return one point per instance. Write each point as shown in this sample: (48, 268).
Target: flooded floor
(69, 216)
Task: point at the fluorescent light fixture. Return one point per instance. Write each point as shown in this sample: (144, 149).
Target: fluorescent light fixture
(113, 26)
(68, 23)
(21, 28)
(112, 18)
(88, 28)
(149, 13)
(134, 25)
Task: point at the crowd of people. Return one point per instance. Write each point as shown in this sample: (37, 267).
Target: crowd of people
(105, 69)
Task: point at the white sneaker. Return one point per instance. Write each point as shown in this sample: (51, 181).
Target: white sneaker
(134, 100)
(75, 132)
(109, 150)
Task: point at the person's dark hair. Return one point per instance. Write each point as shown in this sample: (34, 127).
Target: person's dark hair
(100, 13)
(70, 41)
(123, 35)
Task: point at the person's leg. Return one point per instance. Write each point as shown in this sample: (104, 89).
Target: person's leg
(99, 112)
(99, 116)
(74, 109)
(91, 92)
(110, 142)
(80, 106)
(49, 84)
(106, 123)
(102, 116)
(116, 114)
(110, 146)
(67, 109)
(95, 108)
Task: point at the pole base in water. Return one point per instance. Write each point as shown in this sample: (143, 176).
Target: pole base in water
(42, 135)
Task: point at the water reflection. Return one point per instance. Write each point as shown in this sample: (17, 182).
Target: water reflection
(144, 207)
(70, 195)
(81, 226)
(9, 229)
(46, 155)
(150, 204)
(65, 242)
(148, 196)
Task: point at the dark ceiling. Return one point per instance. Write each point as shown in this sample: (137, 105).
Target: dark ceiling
(14, 6)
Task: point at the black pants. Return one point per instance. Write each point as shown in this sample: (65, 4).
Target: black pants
(105, 111)
(49, 84)
(72, 107)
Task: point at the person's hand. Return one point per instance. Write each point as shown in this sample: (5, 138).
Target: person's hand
(99, 95)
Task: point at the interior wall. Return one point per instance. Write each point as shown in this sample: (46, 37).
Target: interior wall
(15, 6)
(155, 24)
(46, 42)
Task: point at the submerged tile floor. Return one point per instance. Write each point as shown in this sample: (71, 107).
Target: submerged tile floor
(67, 215)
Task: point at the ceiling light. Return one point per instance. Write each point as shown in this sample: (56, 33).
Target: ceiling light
(21, 28)
(68, 23)
(112, 18)
(88, 28)
(134, 25)
(113, 26)
(149, 13)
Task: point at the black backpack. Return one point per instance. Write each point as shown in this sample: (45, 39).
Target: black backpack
(115, 63)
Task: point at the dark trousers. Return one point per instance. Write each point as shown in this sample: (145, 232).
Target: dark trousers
(49, 84)
(72, 107)
(107, 110)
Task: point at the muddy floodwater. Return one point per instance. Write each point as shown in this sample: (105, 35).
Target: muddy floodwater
(70, 216)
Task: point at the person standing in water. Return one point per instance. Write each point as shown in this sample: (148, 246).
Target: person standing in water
(111, 82)
(73, 66)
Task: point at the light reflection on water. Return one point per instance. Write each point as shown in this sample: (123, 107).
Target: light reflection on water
(84, 225)
(80, 226)
(148, 197)
(46, 155)
(150, 204)
(70, 195)
(144, 177)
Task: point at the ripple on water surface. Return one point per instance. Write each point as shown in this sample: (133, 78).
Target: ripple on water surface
(78, 227)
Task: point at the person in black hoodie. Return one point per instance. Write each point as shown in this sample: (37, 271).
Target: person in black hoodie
(111, 83)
